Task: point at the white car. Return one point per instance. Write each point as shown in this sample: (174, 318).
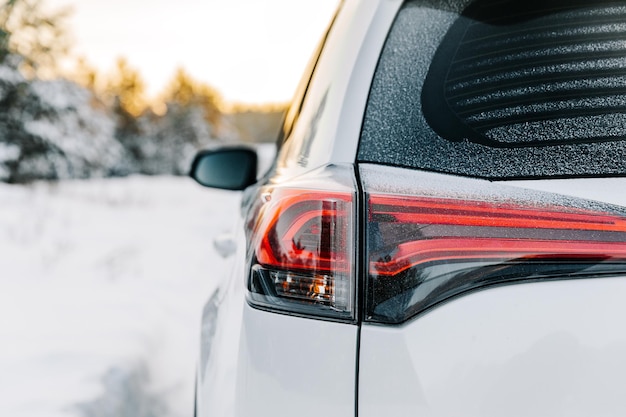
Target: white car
(443, 232)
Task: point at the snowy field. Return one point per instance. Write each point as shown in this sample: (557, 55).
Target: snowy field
(103, 282)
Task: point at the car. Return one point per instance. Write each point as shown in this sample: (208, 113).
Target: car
(443, 230)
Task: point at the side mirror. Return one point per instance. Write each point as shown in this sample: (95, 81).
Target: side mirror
(225, 168)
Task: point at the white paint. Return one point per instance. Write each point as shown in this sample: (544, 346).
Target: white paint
(541, 349)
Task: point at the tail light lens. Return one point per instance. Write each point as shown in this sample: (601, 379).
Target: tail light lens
(302, 247)
(428, 238)
(424, 249)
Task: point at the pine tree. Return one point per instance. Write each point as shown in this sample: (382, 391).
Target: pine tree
(127, 89)
(184, 91)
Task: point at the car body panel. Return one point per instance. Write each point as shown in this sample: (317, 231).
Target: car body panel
(295, 366)
(220, 334)
(606, 190)
(534, 349)
(226, 373)
(256, 363)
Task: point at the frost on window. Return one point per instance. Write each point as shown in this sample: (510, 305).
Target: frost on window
(501, 89)
(530, 73)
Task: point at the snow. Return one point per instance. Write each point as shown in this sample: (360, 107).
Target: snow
(103, 283)
(8, 153)
(55, 129)
(573, 194)
(80, 130)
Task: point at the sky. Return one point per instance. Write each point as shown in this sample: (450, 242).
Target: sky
(252, 51)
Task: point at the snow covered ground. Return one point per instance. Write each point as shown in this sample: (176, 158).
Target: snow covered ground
(102, 283)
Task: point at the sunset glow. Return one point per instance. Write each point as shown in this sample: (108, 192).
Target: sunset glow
(250, 51)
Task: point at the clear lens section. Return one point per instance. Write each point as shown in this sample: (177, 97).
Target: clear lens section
(325, 290)
(319, 295)
(425, 248)
(303, 248)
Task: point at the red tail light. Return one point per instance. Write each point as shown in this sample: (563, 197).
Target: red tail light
(421, 249)
(306, 231)
(425, 250)
(513, 232)
(302, 251)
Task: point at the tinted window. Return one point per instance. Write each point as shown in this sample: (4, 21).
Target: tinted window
(290, 145)
(502, 89)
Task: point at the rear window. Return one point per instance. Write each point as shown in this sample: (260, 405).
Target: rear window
(501, 89)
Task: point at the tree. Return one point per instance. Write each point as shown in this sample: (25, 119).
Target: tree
(50, 130)
(37, 35)
(127, 89)
(184, 91)
(85, 74)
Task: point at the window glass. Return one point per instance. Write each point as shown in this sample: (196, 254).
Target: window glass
(288, 145)
(502, 89)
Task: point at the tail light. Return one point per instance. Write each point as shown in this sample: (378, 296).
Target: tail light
(302, 248)
(424, 247)
(428, 238)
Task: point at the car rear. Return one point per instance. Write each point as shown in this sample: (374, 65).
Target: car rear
(491, 161)
(444, 230)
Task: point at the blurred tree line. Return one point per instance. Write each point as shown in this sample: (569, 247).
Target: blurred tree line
(93, 124)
